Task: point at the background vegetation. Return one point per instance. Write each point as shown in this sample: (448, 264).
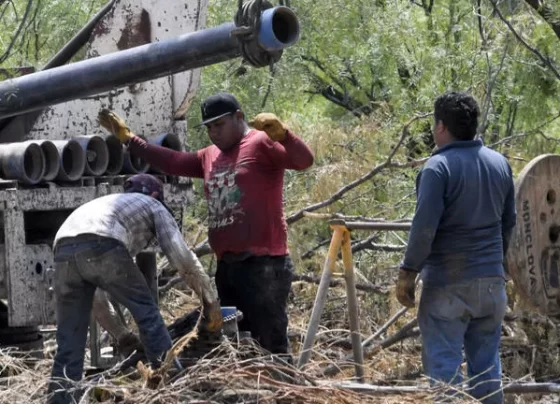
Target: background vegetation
(361, 71)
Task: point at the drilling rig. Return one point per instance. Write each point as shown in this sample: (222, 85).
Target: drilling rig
(143, 61)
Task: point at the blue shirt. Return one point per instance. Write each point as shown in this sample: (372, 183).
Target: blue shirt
(465, 214)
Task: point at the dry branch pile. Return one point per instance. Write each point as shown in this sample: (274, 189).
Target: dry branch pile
(234, 373)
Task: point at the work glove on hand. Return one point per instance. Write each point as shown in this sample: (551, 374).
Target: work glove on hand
(212, 319)
(115, 124)
(270, 124)
(406, 287)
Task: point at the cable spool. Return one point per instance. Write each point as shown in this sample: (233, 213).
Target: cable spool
(533, 258)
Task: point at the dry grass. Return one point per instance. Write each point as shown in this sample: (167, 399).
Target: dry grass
(240, 373)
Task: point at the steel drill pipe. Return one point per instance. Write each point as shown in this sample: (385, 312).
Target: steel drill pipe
(96, 153)
(167, 140)
(72, 160)
(52, 158)
(22, 161)
(278, 29)
(116, 155)
(133, 164)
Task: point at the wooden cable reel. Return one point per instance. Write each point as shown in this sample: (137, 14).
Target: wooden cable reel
(533, 258)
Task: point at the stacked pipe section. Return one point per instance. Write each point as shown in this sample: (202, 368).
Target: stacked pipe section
(64, 161)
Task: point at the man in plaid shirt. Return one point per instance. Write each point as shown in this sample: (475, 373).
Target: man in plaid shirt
(94, 248)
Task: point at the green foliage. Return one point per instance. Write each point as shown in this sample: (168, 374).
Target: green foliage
(363, 68)
(360, 70)
(32, 31)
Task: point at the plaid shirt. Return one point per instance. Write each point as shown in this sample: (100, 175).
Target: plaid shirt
(137, 221)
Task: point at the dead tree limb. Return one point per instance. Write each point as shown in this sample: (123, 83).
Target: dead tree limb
(370, 389)
(18, 32)
(409, 330)
(546, 61)
(297, 277)
(336, 282)
(548, 10)
(388, 163)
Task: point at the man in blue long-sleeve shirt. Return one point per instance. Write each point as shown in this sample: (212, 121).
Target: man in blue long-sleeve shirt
(464, 218)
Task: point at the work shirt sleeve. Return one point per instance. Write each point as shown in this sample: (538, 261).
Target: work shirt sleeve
(181, 257)
(290, 153)
(170, 161)
(430, 186)
(509, 216)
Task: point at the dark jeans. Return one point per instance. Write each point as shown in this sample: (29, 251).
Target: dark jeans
(259, 287)
(467, 314)
(81, 265)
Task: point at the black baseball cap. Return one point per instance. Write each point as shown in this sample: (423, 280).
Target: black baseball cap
(218, 105)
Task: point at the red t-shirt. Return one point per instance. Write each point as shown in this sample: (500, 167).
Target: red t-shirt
(243, 187)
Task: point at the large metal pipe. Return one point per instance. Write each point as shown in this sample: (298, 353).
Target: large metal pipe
(72, 160)
(22, 161)
(96, 153)
(52, 158)
(168, 140)
(96, 75)
(116, 155)
(133, 164)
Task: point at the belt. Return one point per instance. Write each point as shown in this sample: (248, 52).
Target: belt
(82, 240)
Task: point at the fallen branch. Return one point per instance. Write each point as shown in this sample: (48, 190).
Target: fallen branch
(546, 61)
(337, 282)
(385, 326)
(370, 389)
(388, 163)
(409, 330)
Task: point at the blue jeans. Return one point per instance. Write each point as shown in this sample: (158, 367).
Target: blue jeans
(81, 265)
(467, 314)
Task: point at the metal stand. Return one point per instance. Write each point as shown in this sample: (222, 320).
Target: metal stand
(340, 240)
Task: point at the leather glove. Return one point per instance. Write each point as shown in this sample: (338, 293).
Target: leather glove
(212, 319)
(270, 124)
(406, 288)
(115, 124)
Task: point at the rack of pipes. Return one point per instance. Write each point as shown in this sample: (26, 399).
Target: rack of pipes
(40, 161)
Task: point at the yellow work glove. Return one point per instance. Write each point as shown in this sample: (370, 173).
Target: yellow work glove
(115, 124)
(406, 288)
(212, 319)
(270, 124)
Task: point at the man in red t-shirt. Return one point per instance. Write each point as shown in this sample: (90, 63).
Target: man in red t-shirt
(243, 174)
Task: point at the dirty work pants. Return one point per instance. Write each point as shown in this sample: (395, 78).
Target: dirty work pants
(467, 314)
(81, 265)
(259, 287)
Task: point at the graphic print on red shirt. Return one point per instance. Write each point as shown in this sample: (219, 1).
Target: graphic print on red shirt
(224, 197)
